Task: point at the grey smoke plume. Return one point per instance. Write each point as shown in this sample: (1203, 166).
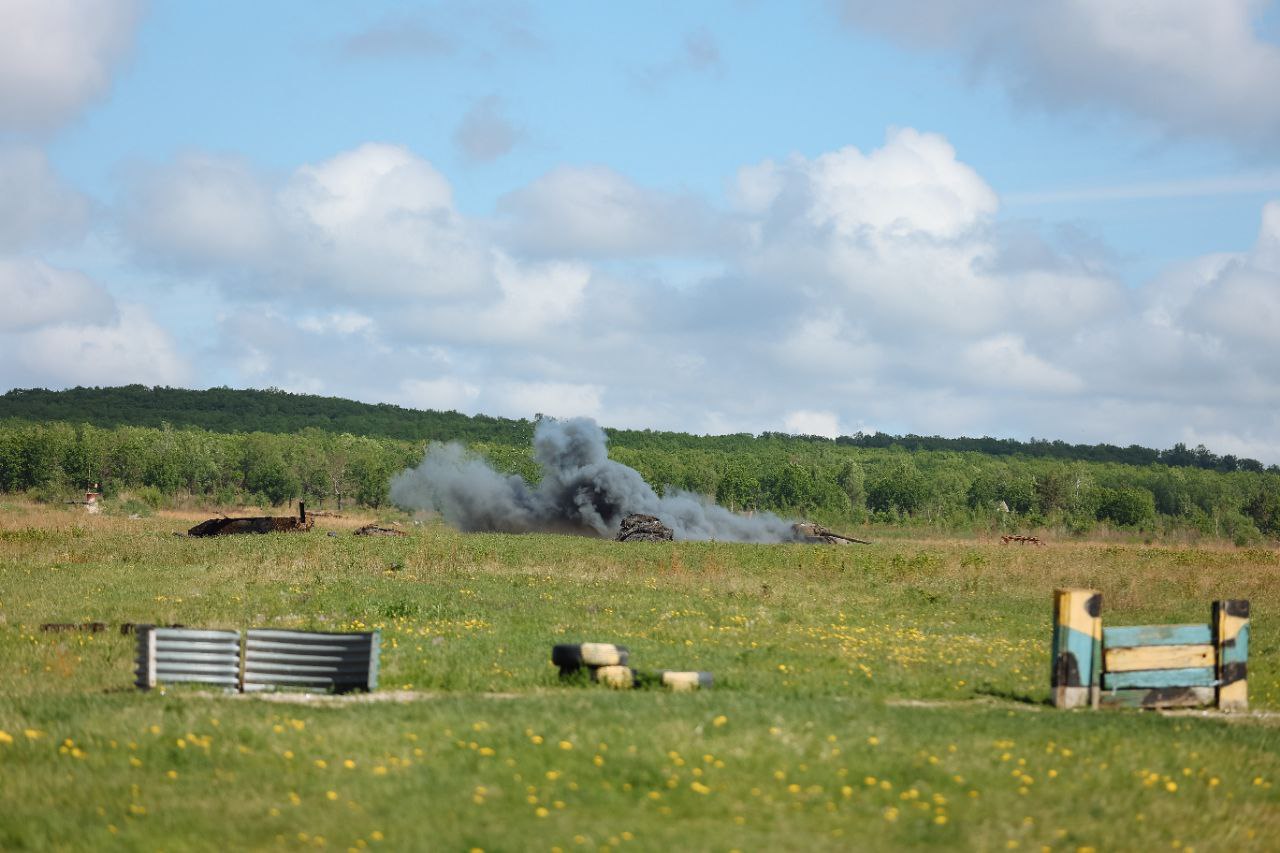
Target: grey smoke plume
(582, 491)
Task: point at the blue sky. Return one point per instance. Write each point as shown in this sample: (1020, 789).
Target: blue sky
(969, 217)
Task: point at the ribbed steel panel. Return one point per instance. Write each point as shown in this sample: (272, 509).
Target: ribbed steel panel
(310, 660)
(171, 655)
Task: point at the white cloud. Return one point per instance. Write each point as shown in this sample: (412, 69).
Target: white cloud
(595, 212)
(913, 184)
(341, 323)
(444, 394)
(131, 349)
(205, 210)
(373, 220)
(1187, 66)
(35, 294)
(853, 287)
(1003, 363)
(808, 422)
(556, 399)
(56, 56)
(36, 208)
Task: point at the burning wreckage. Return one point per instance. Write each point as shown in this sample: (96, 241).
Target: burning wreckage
(582, 491)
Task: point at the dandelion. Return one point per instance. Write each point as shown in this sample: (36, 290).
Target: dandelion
(331, 795)
(33, 734)
(699, 788)
(5, 737)
(873, 741)
(349, 764)
(541, 811)
(564, 744)
(720, 721)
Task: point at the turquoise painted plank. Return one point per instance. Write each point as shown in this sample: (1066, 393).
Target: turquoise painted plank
(1080, 645)
(1157, 635)
(1192, 677)
(1237, 652)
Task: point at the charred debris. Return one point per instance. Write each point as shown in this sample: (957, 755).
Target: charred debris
(226, 526)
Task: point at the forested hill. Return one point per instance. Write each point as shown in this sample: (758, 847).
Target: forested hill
(229, 410)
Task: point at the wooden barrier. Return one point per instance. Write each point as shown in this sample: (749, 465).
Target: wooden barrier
(1148, 666)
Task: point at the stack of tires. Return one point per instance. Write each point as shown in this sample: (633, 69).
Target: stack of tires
(608, 664)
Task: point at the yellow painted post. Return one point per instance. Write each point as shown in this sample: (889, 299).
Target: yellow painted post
(1231, 638)
(1077, 647)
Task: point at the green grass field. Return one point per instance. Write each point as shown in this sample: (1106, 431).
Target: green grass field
(868, 698)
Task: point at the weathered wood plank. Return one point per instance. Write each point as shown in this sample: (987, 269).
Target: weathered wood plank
(1177, 697)
(1077, 647)
(1157, 657)
(1156, 635)
(1231, 637)
(1202, 676)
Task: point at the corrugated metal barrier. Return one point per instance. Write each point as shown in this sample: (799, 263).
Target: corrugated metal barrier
(337, 662)
(170, 655)
(265, 660)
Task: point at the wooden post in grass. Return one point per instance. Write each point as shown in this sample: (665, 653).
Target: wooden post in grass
(1231, 639)
(1077, 647)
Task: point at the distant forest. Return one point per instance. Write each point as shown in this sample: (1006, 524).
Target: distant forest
(270, 447)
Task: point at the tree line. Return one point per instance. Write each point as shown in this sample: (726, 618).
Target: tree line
(274, 411)
(829, 481)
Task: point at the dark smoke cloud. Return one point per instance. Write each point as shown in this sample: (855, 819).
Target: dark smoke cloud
(582, 491)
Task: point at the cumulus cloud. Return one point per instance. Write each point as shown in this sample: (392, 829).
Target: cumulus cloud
(853, 287)
(442, 393)
(61, 328)
(57, 56)
(132, 349)
(595, 212)
(809, 422)
(373, 220)
(914, 184)
(1186, 66)
(35, 294)
(37, 209)
(485, 133)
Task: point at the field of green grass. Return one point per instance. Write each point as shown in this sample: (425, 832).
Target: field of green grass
(883, 697)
